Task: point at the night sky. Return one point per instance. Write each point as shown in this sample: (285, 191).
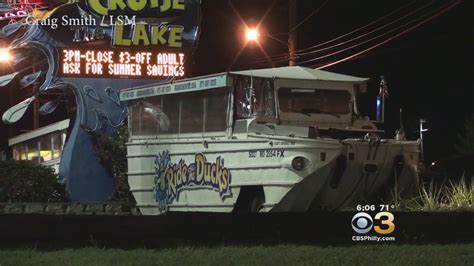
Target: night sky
(428, 70)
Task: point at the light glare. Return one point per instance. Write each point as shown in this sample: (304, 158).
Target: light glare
(252, 35)
(4, 55)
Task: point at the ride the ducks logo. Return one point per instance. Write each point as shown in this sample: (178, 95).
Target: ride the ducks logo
(172, 179)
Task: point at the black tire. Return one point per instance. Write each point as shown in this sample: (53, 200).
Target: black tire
(251, 200)
(256, 205)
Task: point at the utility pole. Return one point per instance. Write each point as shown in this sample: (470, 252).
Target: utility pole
(293, 13)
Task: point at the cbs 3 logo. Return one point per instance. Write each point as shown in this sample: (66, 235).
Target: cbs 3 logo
(362, 223)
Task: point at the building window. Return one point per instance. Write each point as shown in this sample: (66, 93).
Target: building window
(57, 145)
(42, 149)
(46, 152)
(32, 151)
(19, 152)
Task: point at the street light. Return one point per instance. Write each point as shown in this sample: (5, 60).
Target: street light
(5, 55)
(252, 35)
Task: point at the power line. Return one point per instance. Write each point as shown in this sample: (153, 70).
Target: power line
(300, 55)
(361, 28)
(309, 16)
(448, 7)
(369, 54)
(347, 34)
(370, 32)
(374, 38)
(371, 39)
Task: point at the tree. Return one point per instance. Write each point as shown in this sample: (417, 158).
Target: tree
(466, 139)
(25, 181)
(466, 148)
(112, 153)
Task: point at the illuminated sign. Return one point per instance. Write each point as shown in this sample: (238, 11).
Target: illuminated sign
(99, 48)
(123, 14)
(149, 39)
(162, 35)
(19, 9)
(135, 6)
(176, 87)
(13, 14)
(119, 63)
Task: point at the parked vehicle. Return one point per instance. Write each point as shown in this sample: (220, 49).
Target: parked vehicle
(272, 140)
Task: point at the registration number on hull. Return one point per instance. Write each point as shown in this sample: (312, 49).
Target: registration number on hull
(271, 153)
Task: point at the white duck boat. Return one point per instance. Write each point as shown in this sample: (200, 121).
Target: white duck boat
(272, 140)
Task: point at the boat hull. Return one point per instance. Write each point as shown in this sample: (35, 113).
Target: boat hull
(208, 174)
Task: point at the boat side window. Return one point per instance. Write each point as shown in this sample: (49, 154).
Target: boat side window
(293, 100)
(135, 117)
(152, 115)
(216, 103)
(192, 112)
(254, 100)
(243, 96)
(170, 122)
(265, 98)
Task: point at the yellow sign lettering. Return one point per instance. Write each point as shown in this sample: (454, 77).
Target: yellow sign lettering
(115, 4)
(178, 4)
(165, 6)
(158, 35)
(176, 37)
(137, 5)
(223, 184)
(154, 4)
(98, 7)
(200, 160)
(140, 35)
(118, 37)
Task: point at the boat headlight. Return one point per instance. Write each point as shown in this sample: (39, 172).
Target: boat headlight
(298, 163)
